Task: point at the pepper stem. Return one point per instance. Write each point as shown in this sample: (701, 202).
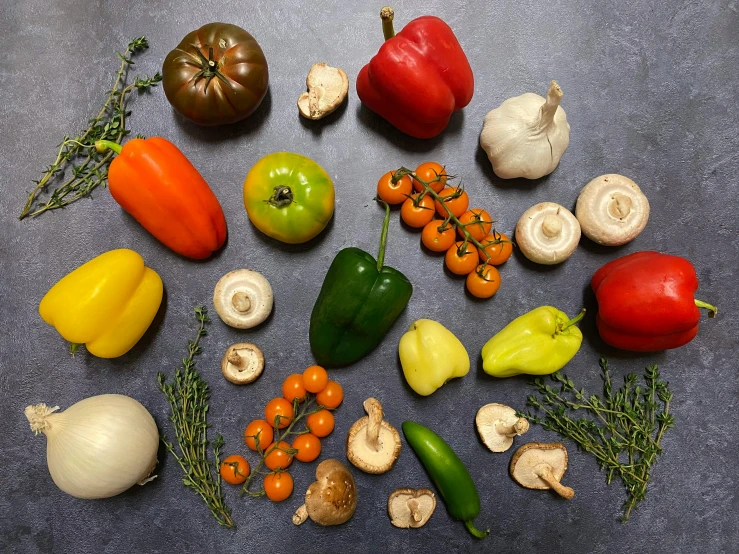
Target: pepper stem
(387, 14)
(476, 532)
(383, 235)
(103, 146)
(73, 347)
(572, 321)
(712, 310)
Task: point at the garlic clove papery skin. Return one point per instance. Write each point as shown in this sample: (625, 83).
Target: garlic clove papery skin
(98, 447)
(526, 135)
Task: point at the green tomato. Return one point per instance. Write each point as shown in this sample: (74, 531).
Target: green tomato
(289, 197)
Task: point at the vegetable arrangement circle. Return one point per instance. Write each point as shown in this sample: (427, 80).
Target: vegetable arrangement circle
(218, 74)
(289, 197)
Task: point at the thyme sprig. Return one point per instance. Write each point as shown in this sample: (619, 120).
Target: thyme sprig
(188, 396)
(623, 430)
(78, 156)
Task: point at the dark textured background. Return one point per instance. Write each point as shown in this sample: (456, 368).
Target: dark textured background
(650, 92)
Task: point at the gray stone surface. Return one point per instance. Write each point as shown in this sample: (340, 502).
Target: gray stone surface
(650, 92)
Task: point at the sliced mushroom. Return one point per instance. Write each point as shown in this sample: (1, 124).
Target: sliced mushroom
(327, 89)
(547, 233)
(612, 210)
(372, 444)
(242, 363)
(498, 424)
(411, 507)
(540, 466)
(332, 498)
(243, 298)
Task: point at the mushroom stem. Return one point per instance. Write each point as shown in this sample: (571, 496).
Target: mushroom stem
(374, 410)
(413, 506)
(241, 302)
(551, 226)
(619, 206)
(544, 472)
(548, 108)
(520, 426)
(300, 515)
(235, 359)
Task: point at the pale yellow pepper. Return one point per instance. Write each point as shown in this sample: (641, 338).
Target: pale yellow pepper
(107, 304)
(431, 355)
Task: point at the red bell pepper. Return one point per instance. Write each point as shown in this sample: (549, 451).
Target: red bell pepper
(154, 182)
(418, 78)
(645, 302)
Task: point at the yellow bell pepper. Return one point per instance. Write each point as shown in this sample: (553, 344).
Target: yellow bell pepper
(106, 304)
(431, 355)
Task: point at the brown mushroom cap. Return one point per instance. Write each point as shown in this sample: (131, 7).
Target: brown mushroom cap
(411, 507)
(547, 233)
(242, 363)
(612, 210)
(243, 298)
(541, 466)
(327, 89)
(498, 424)
(373, 445)
(332, 498)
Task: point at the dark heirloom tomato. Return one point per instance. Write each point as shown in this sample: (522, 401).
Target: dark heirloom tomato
(217, 74)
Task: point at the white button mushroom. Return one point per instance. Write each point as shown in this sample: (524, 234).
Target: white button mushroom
(243, 298)
(541, 466)
(242, 363)
(327, 89)
(410, 507)
(498, 424)
(612, 210)
(332, 498)
(547, 233)
(373, 445)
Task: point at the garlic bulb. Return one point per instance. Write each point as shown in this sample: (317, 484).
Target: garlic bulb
(98, 447)
(526, 135)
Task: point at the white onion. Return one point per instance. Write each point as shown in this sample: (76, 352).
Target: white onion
(98, 447)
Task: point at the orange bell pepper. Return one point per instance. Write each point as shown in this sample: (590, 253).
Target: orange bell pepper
(154, 182)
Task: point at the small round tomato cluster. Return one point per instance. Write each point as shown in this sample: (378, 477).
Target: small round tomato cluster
(443, 213)
(310, 396)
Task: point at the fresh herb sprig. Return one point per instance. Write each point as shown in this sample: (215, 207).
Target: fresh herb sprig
(89, 168)
(188, 398)
(623, 430)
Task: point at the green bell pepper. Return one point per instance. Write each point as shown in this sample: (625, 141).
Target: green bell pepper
(539, 342)
(359, 301)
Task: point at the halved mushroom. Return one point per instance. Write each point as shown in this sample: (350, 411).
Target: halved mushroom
(612, 210)
(243, 298)
(242, 363)
(411, 507)
(332, 498)
(547, 233)
(497, 424)
(327, 89)
(541, 466)
(372, 444)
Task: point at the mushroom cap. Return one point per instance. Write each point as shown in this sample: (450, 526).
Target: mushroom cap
(332, 498)
(547, 233)
(327, 89)
(243, 298)
(612, 210)
(534, 454)
(361, 453)
(242, 363)
(403, 503)
(492, 420)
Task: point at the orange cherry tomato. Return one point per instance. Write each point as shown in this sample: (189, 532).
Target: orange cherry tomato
(258, 428)
(278, 457)
(315, 379)
(308, 447)
(394, 193)
(235, 470)
(321, 423)
(292, 388)
(455, 199)
(498, 247)
(484, 282)
(279, 407)
(430, 171)
(437, 241)
(331, 396)
(478, 223)
(464, 263)
(278, 486)
(419, 214)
